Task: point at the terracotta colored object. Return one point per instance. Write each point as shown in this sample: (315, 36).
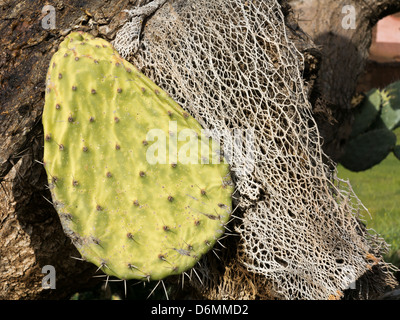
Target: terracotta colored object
(385, 45)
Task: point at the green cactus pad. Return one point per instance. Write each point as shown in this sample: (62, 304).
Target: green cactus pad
(104, 127)
(366, 112)
(390, 113)
(368, 149)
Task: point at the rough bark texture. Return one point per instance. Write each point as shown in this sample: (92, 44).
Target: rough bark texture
(344, 56)
(30, 232)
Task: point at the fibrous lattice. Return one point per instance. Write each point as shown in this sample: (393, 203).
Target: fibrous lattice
(232, 67)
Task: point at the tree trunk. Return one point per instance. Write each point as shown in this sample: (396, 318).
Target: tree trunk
(30, 232)
(344, 55)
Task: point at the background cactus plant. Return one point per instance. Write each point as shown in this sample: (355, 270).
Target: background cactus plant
(132, 216)
(390, 113)
(372, 137)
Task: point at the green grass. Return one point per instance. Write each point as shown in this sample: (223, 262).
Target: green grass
(378, 189)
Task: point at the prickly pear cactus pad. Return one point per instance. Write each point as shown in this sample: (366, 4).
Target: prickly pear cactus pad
(138, 187)
(391, 105)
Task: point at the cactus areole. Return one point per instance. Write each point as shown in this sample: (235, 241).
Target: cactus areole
(116, 151)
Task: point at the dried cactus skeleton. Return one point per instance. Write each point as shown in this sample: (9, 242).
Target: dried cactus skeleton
(232, 67)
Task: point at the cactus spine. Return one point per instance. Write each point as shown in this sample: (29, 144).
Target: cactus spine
(127, 210)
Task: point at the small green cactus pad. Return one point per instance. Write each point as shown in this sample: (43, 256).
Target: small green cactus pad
(366, 112)
(127, 211)
(390, 113)
(396, 151)
(368, 149)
